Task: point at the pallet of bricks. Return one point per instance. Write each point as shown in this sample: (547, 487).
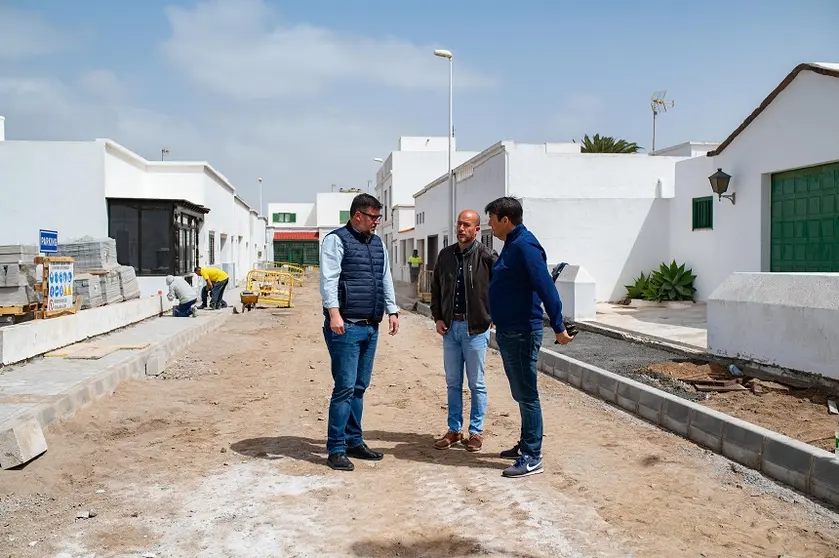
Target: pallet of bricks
(18, 298)
(99, 279)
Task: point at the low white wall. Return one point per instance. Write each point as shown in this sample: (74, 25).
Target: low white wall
(789, 320)
(30, 339)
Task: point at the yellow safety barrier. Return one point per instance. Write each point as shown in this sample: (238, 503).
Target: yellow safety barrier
(275, 288)
(424, 285)
(294, 270)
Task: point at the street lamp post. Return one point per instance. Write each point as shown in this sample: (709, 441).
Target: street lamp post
(260, 196)
(442, 53)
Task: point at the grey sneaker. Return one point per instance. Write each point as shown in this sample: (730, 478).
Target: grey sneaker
(524, 466)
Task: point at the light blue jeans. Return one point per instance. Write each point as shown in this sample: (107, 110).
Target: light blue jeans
(463, 350)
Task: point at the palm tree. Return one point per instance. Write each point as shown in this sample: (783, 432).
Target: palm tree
(607, 144)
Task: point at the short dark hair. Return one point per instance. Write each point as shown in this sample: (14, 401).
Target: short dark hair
(505, 207)
(364, 201)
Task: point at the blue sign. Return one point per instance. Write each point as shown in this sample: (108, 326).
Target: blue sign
(49, 241)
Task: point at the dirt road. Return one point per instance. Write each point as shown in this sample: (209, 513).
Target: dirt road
(225, 457)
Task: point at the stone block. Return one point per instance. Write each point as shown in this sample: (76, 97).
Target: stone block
(787, 460)
(649, 405)
(675, 415)
(743, 442)
(607, 387)
(590, 380)
(706, 427)
(21, 443)
(575, 374)
(824, 479)
(627, 396)
(154, 365)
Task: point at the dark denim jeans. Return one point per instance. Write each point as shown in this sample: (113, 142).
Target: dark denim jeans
(520, 354)
(183, 310)
(352, 357)
(217, 301)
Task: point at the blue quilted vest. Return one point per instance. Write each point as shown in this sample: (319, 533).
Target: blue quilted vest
(361, 290)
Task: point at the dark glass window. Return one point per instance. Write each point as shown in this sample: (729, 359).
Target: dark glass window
(155, 237)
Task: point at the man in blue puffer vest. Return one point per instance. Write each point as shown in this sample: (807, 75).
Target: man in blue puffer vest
(357, 290)
(519, 286)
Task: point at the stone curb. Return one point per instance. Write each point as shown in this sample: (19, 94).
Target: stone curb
(806, 468)
(22, 438)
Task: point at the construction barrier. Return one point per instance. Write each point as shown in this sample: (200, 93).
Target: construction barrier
(294, 270)
(424, 285)
(275, 288)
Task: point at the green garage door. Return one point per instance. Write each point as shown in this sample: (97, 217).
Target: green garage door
(300, 252)
(805, 220)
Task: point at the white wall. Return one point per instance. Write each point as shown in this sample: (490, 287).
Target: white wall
(305, 212)
(51, 185)
(798, 129)
(329, 206)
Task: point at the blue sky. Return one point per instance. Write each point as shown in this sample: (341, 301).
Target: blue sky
(306, 94)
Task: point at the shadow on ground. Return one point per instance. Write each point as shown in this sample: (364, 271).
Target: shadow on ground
(453, 545)
(405, 446)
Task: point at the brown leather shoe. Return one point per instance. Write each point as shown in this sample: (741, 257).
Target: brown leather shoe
(448, 440)
(474, 442)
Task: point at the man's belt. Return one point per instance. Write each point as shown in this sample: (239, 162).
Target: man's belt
(458, 317)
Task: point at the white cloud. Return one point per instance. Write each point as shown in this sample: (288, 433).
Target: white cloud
(241, 48)
(25, 34)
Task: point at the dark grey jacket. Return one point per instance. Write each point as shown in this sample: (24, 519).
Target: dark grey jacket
(477, 271)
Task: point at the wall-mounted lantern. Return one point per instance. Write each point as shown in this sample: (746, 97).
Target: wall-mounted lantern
(719, 184)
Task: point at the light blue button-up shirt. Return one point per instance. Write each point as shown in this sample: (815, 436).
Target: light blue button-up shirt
(331, 254)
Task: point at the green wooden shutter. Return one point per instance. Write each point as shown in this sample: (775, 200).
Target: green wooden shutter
(703, 213)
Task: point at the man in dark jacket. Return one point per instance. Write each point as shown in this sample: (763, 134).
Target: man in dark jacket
(459, 306)
(357, 291)
(520, 285)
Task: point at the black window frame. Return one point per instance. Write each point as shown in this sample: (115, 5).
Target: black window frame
(184, 219)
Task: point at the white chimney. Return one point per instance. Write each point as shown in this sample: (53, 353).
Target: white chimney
(2, 128)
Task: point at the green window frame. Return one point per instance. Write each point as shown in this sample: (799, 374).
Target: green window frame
(703, 213)
(284, 217)
(344, 216)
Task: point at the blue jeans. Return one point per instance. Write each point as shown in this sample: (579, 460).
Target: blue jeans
(352, 357)
(217, 300)
(463, 350)
(520, 354)
(183, 310)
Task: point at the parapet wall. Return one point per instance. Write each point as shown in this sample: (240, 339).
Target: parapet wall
(790, 320)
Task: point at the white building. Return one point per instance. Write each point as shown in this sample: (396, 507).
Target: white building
(606, 212)
(784, 166)
(297, 229)
(166, 217)
(417, 161)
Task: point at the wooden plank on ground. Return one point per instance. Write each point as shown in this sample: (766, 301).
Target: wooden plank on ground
(735, 387)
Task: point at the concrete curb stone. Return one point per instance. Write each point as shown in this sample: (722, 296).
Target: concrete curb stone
(809, 469)
(150, 361)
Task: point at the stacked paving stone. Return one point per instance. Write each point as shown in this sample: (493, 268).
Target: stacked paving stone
(89, 287)
(17, 274)
(128, 284)
(99, 256)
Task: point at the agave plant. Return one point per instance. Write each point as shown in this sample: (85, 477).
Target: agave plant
(670, 282)
(636, 290)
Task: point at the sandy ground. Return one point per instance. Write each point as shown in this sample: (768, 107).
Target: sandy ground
(225, 457)
(796, 412)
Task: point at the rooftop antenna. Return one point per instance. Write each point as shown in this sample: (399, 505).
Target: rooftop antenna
(163, 153)
(658, 103)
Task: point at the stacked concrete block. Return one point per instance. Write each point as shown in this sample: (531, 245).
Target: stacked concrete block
(110, 284)
(17, 274)
(89, 287)
(90, 253)
(129, 287)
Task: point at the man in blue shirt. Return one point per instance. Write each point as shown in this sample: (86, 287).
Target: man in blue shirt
(519, 286)
(357, 290)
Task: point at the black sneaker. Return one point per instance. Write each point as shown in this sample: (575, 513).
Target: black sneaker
(512, 453)
(339, 462)
(363, 452)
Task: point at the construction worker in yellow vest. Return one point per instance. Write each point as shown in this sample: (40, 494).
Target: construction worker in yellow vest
(415, 262)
